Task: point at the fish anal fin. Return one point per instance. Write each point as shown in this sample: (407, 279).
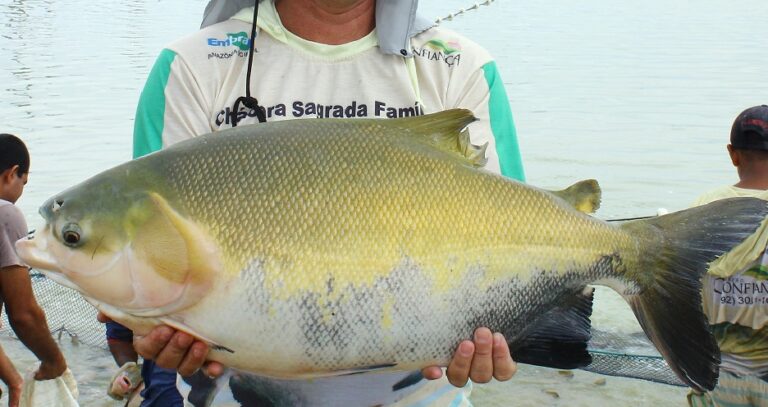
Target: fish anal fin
(558, 339)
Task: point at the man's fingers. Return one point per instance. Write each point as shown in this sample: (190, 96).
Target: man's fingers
(458, 369)
(482, 359)
(432, 372)
(213, 369)
(150, 345)
(481, 370)
(101, 317)
(503, 365)
(171, 356)
(172, 349)
(193, 359)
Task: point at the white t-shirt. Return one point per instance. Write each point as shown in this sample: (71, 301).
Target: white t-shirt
(194, 84)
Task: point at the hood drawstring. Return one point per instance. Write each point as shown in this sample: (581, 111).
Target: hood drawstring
(249, 101)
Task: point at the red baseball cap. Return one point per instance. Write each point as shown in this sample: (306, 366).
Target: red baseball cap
(750, 129)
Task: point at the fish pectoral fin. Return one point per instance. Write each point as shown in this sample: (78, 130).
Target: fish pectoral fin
(365, 369)
(174, 248)
(584, 195)
(220, 348)
(558, 339)
(199, 257)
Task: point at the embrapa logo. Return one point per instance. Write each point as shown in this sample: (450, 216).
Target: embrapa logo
(239, 40)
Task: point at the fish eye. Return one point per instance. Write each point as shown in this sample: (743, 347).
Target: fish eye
(71, 234)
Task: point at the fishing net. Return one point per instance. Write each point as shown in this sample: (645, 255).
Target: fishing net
(631, 356)
(71, 317)
(68, 314)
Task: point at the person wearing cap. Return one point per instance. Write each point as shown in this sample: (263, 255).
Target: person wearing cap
(256, 61)
(736, 291)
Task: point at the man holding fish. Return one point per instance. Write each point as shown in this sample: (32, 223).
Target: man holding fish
(331, 58)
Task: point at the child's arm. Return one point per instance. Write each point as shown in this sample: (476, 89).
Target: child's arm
(11, 377)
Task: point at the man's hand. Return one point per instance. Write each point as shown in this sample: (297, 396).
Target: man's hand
(52, 370)
(480, 360)
(173, 349)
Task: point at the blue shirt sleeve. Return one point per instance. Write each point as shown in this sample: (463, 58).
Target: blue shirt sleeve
(118, 332)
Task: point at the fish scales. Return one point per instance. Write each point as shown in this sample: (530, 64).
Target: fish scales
(380, 217)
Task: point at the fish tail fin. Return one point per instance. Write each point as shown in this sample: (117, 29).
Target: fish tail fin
(677, 249)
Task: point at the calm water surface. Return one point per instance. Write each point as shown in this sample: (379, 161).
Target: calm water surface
(637, 95)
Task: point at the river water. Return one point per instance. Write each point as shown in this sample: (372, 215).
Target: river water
(639, 95)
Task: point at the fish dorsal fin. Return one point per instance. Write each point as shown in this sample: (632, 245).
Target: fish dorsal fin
(447, 131)
(584, 195)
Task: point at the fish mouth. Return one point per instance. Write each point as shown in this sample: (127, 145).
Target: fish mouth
(36, 257)
(32, 254)
(35, 251)
(32, 251)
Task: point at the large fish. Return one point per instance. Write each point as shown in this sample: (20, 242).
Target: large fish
(311, 248)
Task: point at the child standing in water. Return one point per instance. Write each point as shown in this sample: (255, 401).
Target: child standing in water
(736, 298)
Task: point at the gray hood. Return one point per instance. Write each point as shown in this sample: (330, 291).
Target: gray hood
(396, 21)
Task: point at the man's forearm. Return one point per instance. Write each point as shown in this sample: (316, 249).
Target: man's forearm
(122, 351)
(32, 329)
(28, 321)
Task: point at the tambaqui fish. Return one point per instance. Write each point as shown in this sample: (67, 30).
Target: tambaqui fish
(311, 248)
